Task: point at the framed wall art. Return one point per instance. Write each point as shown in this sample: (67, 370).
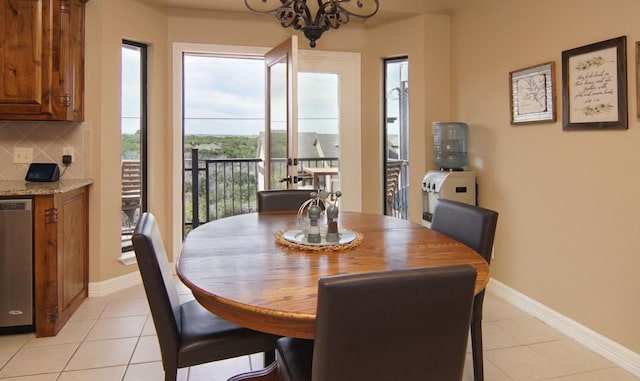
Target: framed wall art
(532, 94)
(594, 86)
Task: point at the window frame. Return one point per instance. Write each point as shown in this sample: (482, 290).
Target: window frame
(143, 49)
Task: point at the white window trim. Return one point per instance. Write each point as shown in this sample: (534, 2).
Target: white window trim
(128, 258)
(347, 64)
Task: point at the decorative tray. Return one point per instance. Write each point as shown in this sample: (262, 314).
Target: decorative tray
(299, 237)
(296, 239)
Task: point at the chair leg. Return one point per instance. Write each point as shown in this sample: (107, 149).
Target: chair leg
(170, 374)
(269, 357)
(476, 349)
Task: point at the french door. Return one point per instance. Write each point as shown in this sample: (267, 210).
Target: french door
(308, 94)
(329, 99)
(281, 115)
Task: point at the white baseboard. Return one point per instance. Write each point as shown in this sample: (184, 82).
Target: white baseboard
(97, 289)
(607, 348)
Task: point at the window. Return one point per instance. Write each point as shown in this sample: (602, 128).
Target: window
(133, 130)
(223, 121)
(341, 69)
(224, 124)
(396, 137)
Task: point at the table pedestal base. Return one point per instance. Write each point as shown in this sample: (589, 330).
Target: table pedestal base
(269, 373)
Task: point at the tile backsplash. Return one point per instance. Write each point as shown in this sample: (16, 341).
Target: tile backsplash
(47, 139)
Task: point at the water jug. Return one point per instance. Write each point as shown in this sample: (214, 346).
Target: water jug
(450, 145)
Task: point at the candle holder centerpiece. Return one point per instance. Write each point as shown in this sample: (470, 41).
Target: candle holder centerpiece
(317, 228)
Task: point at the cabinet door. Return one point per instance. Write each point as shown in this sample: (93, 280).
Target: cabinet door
(61, 258)
(42, 58)
(73, 249)
(68, 68)
(26, 58)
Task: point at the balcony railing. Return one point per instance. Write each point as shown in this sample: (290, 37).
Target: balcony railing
(218, 188)
(397, 193)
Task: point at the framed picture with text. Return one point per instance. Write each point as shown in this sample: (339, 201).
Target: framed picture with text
(594, 86)
(532, 94)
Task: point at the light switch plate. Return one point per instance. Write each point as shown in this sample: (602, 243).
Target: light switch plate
(23, 155)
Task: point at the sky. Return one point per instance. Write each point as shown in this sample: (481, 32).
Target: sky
(226, 96)
(130, 107)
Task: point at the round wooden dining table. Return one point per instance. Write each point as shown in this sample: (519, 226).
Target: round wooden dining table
(237, 269)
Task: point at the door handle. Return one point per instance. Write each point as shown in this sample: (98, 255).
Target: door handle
(288, 179)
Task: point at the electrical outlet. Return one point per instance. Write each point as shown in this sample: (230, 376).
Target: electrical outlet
(23, 155)
(67, 151)
(67, 155)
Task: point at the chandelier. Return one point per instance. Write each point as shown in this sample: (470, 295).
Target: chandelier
(329, 14)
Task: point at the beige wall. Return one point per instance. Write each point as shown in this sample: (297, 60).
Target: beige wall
(568, 201)
(215, 28)
(198, 27)
(548, 185)
(425, 40)
(107, 24)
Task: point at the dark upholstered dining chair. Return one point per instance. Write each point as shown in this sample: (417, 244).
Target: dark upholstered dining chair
(392, 325)
(282, 199)
(476, 228)
(188, 334)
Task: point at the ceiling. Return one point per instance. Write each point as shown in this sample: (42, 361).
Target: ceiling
(390, 10)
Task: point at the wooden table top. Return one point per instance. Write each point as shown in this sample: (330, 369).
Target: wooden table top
(235, 268)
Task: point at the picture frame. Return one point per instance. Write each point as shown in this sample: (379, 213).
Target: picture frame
(532, 94)
(594, 86)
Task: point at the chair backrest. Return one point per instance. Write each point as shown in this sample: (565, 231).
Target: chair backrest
(472, 225)
(159, 285)
(394, 325)
(282, 200)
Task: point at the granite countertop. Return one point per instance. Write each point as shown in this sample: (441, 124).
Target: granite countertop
(28, 188)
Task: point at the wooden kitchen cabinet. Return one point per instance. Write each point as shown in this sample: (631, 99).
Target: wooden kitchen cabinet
(61, 257)
(42, 60)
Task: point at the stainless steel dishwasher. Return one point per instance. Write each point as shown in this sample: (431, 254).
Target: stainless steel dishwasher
(16, 265)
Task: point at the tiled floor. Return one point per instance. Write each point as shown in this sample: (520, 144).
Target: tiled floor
(113, 338)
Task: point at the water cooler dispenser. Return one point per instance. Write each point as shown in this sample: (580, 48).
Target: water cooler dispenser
(451, 182)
